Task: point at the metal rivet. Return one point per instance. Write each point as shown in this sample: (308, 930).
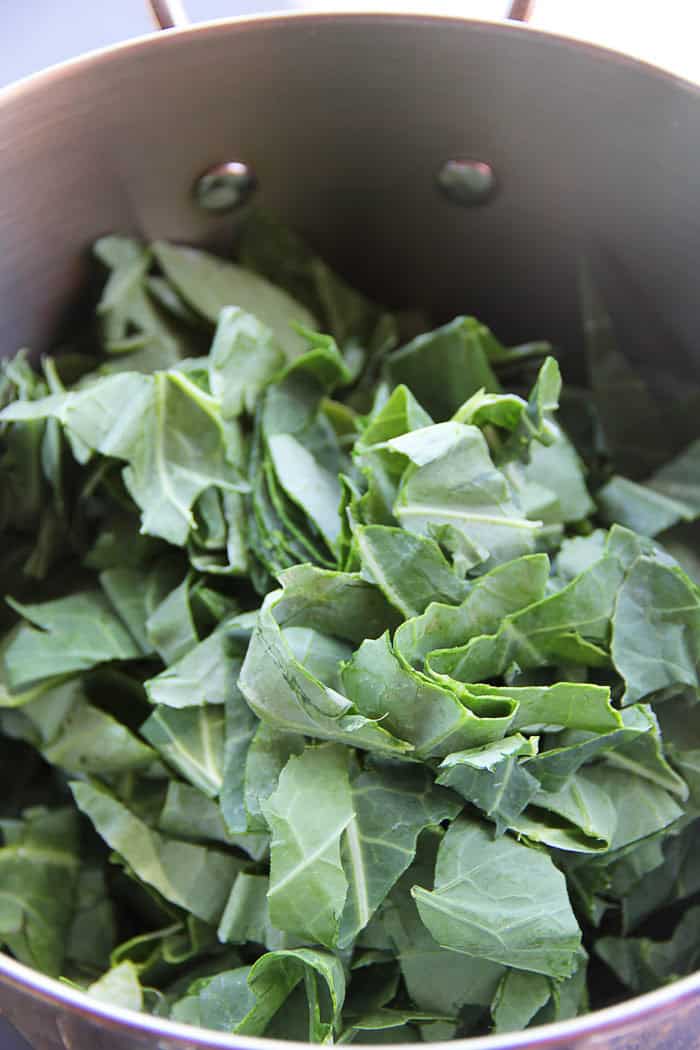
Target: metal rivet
(225, 186)
(467, 182)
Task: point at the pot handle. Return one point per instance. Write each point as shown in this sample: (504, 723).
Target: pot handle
(170, 14)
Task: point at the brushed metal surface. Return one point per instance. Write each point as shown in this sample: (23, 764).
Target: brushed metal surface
(346, 119)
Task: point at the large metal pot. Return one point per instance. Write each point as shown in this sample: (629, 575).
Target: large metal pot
(348, 121)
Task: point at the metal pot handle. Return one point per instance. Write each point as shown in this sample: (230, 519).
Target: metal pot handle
(170, 14)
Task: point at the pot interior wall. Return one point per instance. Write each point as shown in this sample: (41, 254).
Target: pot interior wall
(346, 120)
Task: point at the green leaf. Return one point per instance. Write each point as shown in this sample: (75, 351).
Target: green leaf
(322, 656)
(527, 999)
(573, 705)
(373, 858)
(182, 450)
(169, 432)
(244, 358)
(307, 483)
(189, 814)
(480, 507)
(130, 323)
(76, 736)
(579, 817)
(159, 954)
(656, 630)
(218, 544)
(642, 808)
(342, 604)
(195, 878)
(137, 596)
(524, 421)
(276, 974)
(383, 1018)
(240, 727)
(280, 254)
(266, 757)
(557, 629)
(399, 414)
(247, 915)
(642, 754)
(308, 886)
(209, 284)
(323, 360)
(447, 366)
(519, 997)
(192, 741)
(492, 778)
(410, 570)
(206, 674)
(500, 900)
(579, 553)
(674, 877)
(631, 418)
(93, 930)
(677, 479)
(119, 987)
(558, 468)
(414, 708)
(504, 590)
(170, 624)
(553, 766)
(643, 964)
(38, 874)
(284, 694)
(220, 1002)
(437, 980)
(67, 635)
(641, 507)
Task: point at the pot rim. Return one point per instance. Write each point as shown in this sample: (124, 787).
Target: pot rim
(545, 1037)
(631, 1012)
(240, 23)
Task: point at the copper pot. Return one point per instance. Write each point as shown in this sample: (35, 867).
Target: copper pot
(453, 164)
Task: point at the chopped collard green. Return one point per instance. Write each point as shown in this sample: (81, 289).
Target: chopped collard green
(348, 691)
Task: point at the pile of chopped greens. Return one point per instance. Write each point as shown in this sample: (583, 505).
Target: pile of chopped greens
(348, 692)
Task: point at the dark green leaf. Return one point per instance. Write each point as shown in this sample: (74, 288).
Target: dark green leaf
(503, 591)
(561, 628)
(500, 900)
(430, 716)
(492, 778)
(642, 964)
(410, 570)
(38, 874)
(373, 858)
(195, 878)
(446, 366)
(656, 630)
(338, 603)
(285, 695)
(66, 635)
